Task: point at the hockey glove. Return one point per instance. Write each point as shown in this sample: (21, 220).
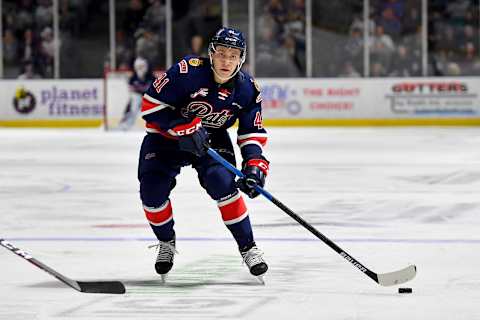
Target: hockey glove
(255, 171)
(192, 137)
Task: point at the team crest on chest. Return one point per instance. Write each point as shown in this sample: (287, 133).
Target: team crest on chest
(204, 111)
(223, 94)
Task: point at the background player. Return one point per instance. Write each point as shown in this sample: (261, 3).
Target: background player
(191, 104)
(138, 83)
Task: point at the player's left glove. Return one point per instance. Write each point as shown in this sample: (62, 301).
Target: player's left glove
(255, 171)
(192, 137)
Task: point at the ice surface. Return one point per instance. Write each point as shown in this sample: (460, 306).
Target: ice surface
(388, 196)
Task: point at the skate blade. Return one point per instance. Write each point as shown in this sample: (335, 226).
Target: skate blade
(164, 278)
(261, 279)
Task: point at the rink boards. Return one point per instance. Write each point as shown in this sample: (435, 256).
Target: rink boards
(286, 102)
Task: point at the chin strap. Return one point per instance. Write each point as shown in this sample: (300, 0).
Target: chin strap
(219, 76)
(216, 73)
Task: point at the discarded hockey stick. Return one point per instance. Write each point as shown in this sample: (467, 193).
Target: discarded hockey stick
(384, 279)
(114, 287)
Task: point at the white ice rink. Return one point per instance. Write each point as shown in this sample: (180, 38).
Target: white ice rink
(388, 196)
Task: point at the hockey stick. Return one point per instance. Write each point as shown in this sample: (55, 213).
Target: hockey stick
(115, 287)
(384, 279)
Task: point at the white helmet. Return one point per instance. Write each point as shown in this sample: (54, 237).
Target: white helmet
(140, 65)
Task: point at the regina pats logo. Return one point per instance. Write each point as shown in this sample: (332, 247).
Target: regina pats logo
(432, 98)
(24, 101)
(204, 111)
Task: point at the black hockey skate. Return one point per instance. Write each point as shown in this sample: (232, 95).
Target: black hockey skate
(253, 258)
(164, 262)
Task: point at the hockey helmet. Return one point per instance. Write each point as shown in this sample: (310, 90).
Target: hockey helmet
(230, 38)
(140, 66)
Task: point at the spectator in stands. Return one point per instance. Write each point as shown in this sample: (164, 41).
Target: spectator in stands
(148, 47)
(296, 10)
(47, 52)
(197, 47)
(295, 24)
(413, 43)
(10, 47)
(353, 48)
(266, 21)
(69, 20)
(133, 17)
(211, 18)
(447, 41)
(181, 26)
(457, 10)
(378, 70)
(453, 34)
(390, 23)
(47, 46)
(123, 53)
(271, 59)
(277, 11)
(438, 62)
(381, 47)
(411, 21)
(404, 65)
(22, 18)
(29, 71)
(467, 35)
(470, 64)
(28, 47)
(349, 71)
(470, 52)
(397, 7)
(295, 27)
(471, 16)
(44, 14)
(266, 44)
(155, 18)
(290, 57)
(453, 69)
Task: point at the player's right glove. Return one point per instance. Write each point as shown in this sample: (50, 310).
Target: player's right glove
(255, 171)
(192, 137)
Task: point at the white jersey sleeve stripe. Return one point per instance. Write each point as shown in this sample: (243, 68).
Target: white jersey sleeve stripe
(155, 109)
(151, 99)
(252, 135)
(250, 142)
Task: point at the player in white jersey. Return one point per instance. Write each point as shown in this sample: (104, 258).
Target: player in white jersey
(138, 83)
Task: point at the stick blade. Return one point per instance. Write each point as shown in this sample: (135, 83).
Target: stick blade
(397, 277)
(113, 287)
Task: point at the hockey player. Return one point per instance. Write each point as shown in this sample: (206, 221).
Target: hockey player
(138, 83)
(190, 105)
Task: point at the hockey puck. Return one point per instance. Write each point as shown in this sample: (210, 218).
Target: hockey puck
(404, 290)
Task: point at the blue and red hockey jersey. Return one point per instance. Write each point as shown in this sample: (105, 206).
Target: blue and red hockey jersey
(188, 89)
